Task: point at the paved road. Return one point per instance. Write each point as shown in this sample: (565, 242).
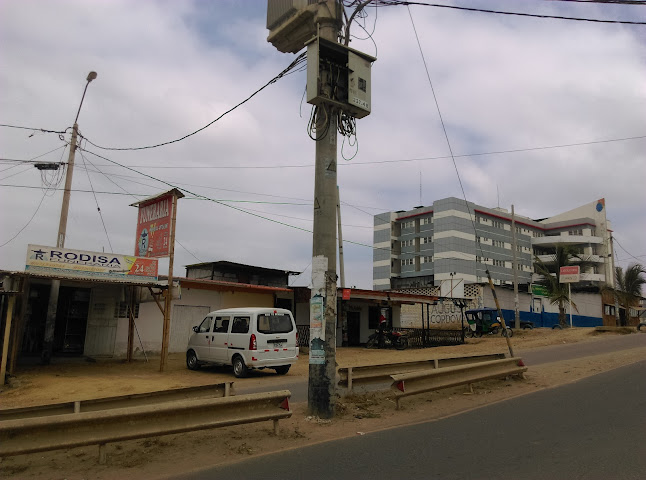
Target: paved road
(298, 386)
(591, 429)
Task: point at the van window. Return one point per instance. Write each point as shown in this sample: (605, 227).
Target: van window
(240, 325)
(221, 324)
(205, 326)
(275, 324)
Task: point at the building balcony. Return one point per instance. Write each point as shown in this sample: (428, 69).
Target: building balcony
(566, 240)
(587, 258)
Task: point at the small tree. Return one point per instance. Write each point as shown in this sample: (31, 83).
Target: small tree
(557, 292)
(628, 285)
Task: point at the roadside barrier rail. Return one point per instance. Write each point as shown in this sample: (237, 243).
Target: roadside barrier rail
(367, 374)
(30, 435)
(107, 403)
(413, 383)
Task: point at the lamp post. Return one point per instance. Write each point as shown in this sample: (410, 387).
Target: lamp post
(50, 322)
(62, 226)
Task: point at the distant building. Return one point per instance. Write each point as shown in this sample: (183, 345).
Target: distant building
(452, 243)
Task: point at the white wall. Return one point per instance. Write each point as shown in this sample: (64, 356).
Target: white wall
(150, 322)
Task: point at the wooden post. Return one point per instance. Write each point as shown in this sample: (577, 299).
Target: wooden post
(131, 322)
(7, 335)
(169, 291)
(19, 327)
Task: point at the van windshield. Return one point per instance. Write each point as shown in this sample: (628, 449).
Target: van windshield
(275, 324)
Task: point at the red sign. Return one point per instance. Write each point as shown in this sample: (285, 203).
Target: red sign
(153, 227)
(346, 294)
(569, 274)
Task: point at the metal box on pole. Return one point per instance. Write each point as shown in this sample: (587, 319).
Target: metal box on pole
(338, 76)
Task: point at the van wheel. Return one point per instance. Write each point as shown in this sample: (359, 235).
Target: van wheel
(191, 360)
(282, 370)
(240, 370)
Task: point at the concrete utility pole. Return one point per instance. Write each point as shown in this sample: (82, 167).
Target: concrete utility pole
(514, 248)
(321, 389)
(52, 307)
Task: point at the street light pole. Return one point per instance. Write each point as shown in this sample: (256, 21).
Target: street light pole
(62, 226)
(52, 307)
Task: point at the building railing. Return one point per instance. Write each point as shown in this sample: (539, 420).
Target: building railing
(431, 337)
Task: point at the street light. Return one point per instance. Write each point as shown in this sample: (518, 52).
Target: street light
(62, 226)
(50, 319)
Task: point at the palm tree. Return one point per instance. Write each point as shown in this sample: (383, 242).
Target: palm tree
(557, 292)
(628, 285)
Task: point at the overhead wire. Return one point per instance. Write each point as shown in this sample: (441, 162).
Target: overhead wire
(300, 59)
(399, 160)
(28, 222)
(96, 201)
(390, 3)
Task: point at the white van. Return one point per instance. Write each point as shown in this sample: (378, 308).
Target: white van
(246, 338)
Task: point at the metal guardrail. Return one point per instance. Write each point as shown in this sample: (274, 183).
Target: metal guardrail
(30, 435)
(367, 374)
(412, 383)
(107, 403)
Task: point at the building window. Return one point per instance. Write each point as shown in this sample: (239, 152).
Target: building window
(498, 263)
(497, 224)
(426, 221)
(123, 310)
(576, 232)
(426, 259)
(498, 243)
(608, 309)
(407, 261)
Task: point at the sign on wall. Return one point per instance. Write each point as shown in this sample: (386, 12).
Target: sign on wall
(80, 263)
(153, 226)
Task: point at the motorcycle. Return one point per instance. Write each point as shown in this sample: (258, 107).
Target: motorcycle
(387, 339)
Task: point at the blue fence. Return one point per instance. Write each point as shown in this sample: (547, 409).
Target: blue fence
(548, 319)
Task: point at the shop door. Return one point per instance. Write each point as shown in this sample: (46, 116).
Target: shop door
(102, 322)
(71, 320)
(354, 328)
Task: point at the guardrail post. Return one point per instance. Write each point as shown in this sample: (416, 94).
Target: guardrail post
(77, 407)
(227, 389)
(436, 363)
(349, 379)
(102, 454)
(276, 427)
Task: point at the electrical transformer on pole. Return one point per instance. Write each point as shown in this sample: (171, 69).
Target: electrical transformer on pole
(338, 86)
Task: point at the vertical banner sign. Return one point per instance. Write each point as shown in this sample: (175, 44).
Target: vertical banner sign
(153, 226)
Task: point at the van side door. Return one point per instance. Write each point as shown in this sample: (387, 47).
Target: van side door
(238, 340)
(219, 339)
(201, 339)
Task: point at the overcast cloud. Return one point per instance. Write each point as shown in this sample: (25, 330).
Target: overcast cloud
(166, 68)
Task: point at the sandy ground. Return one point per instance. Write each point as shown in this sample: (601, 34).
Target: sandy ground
(356, 414)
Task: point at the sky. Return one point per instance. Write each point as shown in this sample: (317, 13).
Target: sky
(167, 68)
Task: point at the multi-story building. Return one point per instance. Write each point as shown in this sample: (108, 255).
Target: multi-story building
(453, 240)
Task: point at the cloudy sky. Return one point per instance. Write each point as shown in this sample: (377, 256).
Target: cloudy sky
(167, 68)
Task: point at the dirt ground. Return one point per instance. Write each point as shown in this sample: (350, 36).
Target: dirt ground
(356, 415)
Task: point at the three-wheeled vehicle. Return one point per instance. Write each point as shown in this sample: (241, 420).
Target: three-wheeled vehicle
(485, 321)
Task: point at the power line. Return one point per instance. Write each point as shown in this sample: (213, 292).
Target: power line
(135, 196)
(28, 222)
(622, 247)
(446, 136)
(97, 202)
(399, 160)
(297, 62)
(35, 129)
(390, 3)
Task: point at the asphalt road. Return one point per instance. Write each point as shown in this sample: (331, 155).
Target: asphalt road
(298, 386)
(591, 429)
